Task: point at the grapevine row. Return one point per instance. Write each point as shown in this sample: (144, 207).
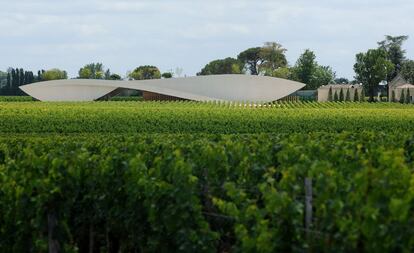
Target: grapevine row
(208, 193)
(192, 117)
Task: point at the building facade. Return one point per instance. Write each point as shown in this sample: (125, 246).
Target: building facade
(400, 87)
(323, 91)
(246, 88)
(403, 93)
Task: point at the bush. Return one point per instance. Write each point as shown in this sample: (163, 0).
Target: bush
(341, 95)
(402, 97)
(348, 96)
(356, 97)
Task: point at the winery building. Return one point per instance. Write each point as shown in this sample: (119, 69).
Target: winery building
(353, 89)
(399, 86)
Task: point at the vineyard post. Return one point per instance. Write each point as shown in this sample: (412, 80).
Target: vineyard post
(52, 223)
(308, 206)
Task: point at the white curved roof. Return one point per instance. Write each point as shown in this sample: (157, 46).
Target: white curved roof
(199, 88)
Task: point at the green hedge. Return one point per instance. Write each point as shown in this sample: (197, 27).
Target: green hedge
(207, 193)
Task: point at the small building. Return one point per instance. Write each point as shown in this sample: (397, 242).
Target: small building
(399, 86)
(404, 90)
(395, 83)
(323, 91)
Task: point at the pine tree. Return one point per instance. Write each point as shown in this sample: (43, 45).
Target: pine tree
(356, 97)
(336, 97)
(362, 95)
(21, 79)
(341, 95)
(348, 96)
(9, 84)
(393, 96)
(408, 97)
(402, 97)
(330, 99)
(107, 74)
(39, 76)
(31, 77)
(26, 77)
(14, 79)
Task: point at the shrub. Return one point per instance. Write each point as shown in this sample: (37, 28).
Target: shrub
(348, 96)
(341, 95)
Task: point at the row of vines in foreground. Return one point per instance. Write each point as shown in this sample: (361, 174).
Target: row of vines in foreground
(192, 117)
(208, 193)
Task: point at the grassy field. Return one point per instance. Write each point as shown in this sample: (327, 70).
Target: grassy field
(206, 177)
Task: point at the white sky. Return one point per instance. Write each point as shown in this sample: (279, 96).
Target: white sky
(124, 34)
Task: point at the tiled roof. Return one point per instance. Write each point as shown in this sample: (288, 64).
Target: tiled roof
(339, 86)
(405, 86)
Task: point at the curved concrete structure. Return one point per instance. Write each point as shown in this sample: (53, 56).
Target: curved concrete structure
(199, 88)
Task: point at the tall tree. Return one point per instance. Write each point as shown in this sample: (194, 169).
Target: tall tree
(402, 97)
(273, 57)
(395, 54)
(54, 74)
(356, 97)
(330, 98)
(341, 95)
(323, 75)
(335, 99)
(307, 70)
(3, 82)
(92, 71)
(264, 60)
(348, 96)
(39, 76)
(224, 66)
(21, 77)
(251, 59)
(9, 81)
(15, 80)
(362, 98)
(305, 67)
(371, 68)
(145, 72)
(408, 97)
(107, 74)
(407, 71)
(29, 77)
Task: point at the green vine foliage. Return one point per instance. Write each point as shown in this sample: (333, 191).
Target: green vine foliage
(207, 193)
(193, 118)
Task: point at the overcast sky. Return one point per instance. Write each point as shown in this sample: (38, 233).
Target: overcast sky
(123, 34)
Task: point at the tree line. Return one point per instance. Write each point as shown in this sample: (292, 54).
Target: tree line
(372, 68)
(11, 80)
(14, 78)
(270, 60)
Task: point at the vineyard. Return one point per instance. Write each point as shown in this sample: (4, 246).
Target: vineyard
(192, 117)
(206, 177)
